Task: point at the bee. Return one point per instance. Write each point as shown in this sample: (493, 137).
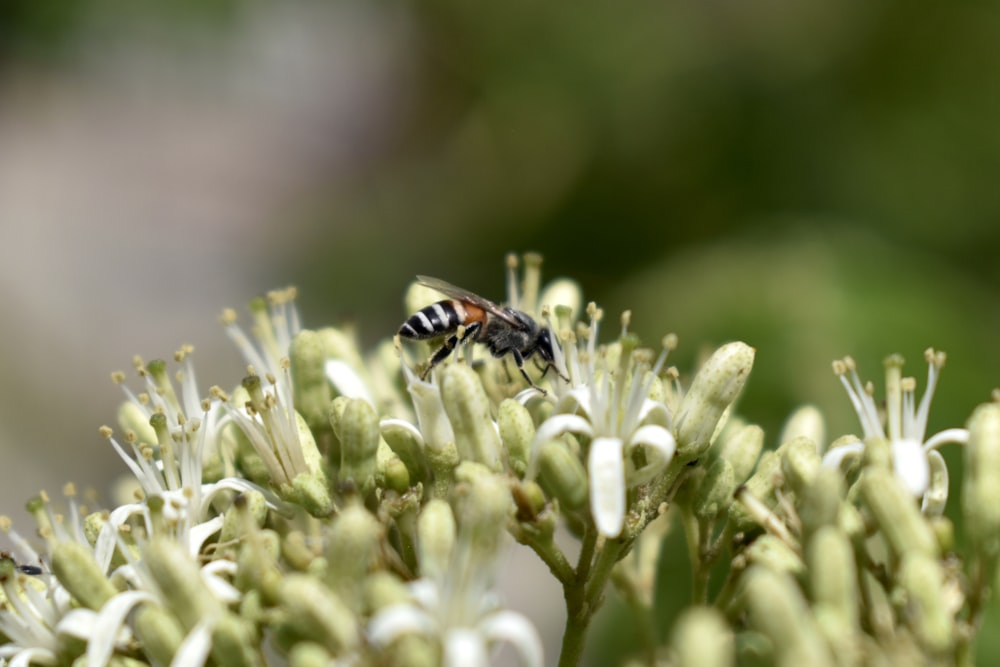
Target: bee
(502, 329)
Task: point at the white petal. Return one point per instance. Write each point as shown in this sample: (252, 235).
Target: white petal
(29, 656)
(464, 647)
(109, 621)
(196, 646)
(936, 497)
(396, 620)
(606, 469)
(654, 412)
(958, 436)
(201, 532)
(911, 466)
(346, 381)
(837, 455)
(662, 442)
(550, 428)
(512, 627)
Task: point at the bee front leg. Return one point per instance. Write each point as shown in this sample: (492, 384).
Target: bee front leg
(450, 344)
(519, 360)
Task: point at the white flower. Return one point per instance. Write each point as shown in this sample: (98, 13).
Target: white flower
(609, 401)
(917, 464)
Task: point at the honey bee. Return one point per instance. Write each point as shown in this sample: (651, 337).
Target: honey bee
(502, 329)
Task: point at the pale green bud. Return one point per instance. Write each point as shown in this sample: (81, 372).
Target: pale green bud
(833, 587)
(351, 546)
(436, 529)
(179, 580)
(257, 564)
(161, 634)
(296, 551)
(821, 501)
(75, 568)
(383, 589)
(702, 638)
(234, 524)
(715, 492)
(393, 474)
(806, 422)
(981, 483)
(406, 442)
(714, 389)
(800, 462)
(358, 431)
(318, 613)
(741, 447)
(562, 293)
(312, 389)
(468, 410)
(778, 610)
(517, 430)
(897, 514)
(482, 508)
(233, 642)
(312, 492)
(562, 475)
(775, 554)
(927, 611)
(308, 654)
(760, 486)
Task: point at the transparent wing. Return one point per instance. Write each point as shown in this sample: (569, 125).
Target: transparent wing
(465, 295)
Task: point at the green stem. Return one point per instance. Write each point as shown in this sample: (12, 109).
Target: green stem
(694, 533)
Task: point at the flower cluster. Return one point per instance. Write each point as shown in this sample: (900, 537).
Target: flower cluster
(340, 508)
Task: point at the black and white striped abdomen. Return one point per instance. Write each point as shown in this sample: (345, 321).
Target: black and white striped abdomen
(435, 320)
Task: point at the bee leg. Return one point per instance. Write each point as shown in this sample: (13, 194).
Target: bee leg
(546, 368)
(519, 360)
(450, 344)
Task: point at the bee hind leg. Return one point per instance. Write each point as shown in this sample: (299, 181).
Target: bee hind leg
(450, 343)
(519, 360)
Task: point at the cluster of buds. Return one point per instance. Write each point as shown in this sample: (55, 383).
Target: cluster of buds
(339, 508)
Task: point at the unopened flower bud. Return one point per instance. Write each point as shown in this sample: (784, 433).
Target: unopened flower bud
(820, 502)
(800, 462)
(702, 638)
(562, 475)
(981, 483)
(436, 529)
(714, 389)
(468, 410)
(927, 611)
(312, 389)
(179, 580)
(833, 586)
(775, 554)
(741, 448)
(715, 492)
(359, 437)
(516, 432)
(75, 568)
(897, 515)
(806, 422)
(131, 418)
(406, 442)
(760, 486)
(351, 547)
(318, 613)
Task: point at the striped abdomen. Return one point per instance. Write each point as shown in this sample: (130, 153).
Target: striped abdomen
(441, 318)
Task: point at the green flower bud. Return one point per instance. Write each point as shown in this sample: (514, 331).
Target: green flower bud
(308, 654)
(318, 613)
(436, 528)
(896, 514)
(715, 492)
(406, 442)
(778, 610)
(161, 634)
(800, 462)
(393, 474)
(714, 389)
(760, 486)
(179, 580)
(820, 502)
(517, 430)
(296, 551)
(981, 482)
(131, 419)
(312, 390)
(253, 504)
(383, 589)
(359, 438)
(927, 610)
(75, 568)
(482, 508)
(833, 588)
(562, 475)
(775, 554)
(702, 638)
(806, 422)
(351, 547)
(234, 642)
(468, 410)
(742, 448)
(312, 492)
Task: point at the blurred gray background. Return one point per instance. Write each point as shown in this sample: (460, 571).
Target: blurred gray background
(816, 179)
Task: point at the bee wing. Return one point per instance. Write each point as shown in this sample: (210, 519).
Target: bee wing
(456, 292)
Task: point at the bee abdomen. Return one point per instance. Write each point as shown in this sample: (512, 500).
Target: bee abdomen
(434, 320)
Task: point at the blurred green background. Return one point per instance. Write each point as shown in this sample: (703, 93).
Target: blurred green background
(818, 179)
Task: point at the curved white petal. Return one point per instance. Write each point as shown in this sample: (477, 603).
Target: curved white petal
(28, 656)
(514, 628)
(606, 469)
(346, 381)
(910, 463)
(837, 455)
(936, 498)
(661, 442)
(575, 401)
(399, 619)
(464, 647)
(109, 621)
(958, 436)
(196, 646)
(405, 425)
(201, 532)
(551, 428)
(78, 623)
(654, 412)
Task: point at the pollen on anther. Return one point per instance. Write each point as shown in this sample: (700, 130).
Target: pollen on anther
(117, 377)
(69, 490)
(105, 431)
(228, 316)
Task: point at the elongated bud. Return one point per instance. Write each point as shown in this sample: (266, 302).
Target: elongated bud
(132, 419)
(760, 486)
(715, 493)
(775, 554)
(981, 484)
(318, 613)
(351, 547)
(406, 441)
(742, 448)
(833, 587)
(714, 389)
(778, 610)
(359, 437)
(896, 514)
(312, 390)
(927, 610)
(800, 462)
(516, 432)
(75, 568)
(468, 410)
(806, 422)
(562, 475)
(436, 528)
(820, 502)
(702, 638)
(179, 579)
